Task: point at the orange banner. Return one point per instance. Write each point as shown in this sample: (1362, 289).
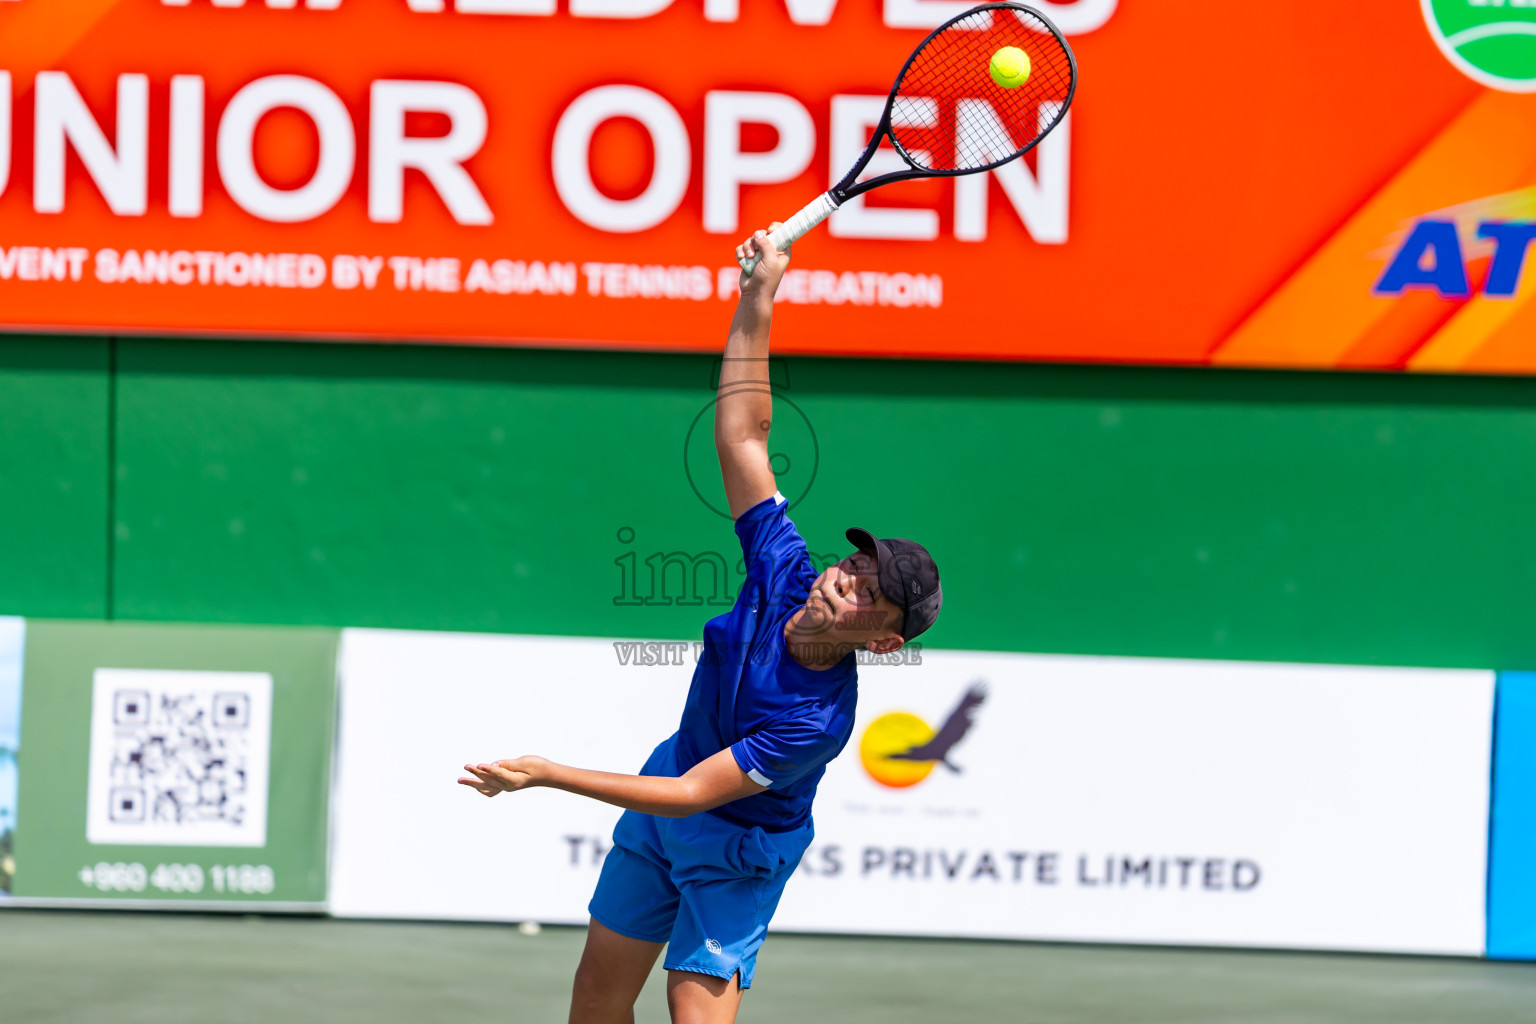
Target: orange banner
(1238, 184)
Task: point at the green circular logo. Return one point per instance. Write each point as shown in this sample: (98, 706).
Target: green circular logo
(1491, 41)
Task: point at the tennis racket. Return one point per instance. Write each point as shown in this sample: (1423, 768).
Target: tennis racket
(946, 116)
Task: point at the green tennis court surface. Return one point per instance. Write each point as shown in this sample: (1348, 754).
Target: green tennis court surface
(113, 968)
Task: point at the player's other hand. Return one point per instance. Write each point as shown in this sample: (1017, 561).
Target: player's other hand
(507, 776)
(770, 267)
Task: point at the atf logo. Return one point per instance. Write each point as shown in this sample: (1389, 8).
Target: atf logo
(899, 749)
(1479, 246)
(1490, 41)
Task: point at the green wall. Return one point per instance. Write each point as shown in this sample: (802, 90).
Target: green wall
(54, 412)
(1203, 513)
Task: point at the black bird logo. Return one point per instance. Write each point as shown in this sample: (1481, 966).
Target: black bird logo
(951, 732)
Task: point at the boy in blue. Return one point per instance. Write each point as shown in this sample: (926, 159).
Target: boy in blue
(720, 814)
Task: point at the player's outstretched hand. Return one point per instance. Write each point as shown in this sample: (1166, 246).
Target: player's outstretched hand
(503, 776)
(771, 264)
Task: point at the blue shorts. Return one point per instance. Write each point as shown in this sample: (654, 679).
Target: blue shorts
(701, 884)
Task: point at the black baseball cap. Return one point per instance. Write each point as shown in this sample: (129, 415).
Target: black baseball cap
(908, 576)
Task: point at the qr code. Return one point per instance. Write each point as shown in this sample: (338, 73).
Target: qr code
(179, 758)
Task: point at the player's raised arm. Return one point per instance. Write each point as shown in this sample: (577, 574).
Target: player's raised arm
(744, 412)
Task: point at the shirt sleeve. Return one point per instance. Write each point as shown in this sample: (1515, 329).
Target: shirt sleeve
(784, 752)
(767, 534)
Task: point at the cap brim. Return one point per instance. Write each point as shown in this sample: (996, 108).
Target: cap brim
(863, 540)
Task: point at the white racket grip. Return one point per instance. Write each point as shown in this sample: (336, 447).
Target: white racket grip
(786, 234)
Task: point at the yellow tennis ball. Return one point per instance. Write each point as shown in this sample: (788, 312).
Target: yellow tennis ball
(1010, 67)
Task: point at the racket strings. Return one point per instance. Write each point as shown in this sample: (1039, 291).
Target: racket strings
(979, 123)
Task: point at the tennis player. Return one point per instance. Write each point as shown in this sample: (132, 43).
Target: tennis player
(720, 814)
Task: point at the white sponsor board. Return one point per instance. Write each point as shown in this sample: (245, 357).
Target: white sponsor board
(409, 842)
(1087, 799)
(1138, 800)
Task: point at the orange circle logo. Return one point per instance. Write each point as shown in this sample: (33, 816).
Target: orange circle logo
(889, 735)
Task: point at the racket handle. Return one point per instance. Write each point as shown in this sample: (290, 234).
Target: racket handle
(785, 235)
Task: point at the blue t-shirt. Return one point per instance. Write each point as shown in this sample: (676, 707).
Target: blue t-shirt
(782, 721)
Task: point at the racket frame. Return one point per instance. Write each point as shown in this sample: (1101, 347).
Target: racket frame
(850, 186)
(827, 203)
